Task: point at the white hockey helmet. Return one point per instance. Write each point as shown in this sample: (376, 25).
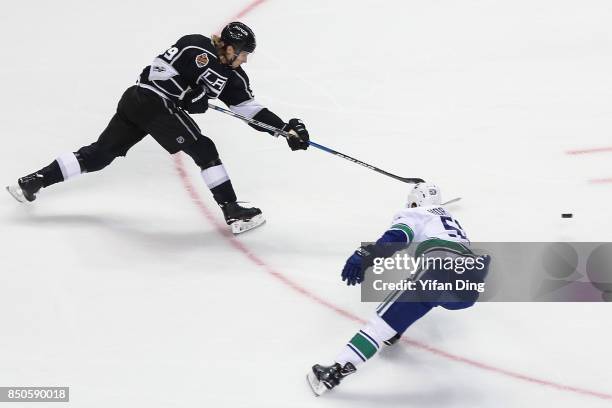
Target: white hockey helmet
(424, 194)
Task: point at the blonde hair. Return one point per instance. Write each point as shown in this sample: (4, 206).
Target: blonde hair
(220, 47)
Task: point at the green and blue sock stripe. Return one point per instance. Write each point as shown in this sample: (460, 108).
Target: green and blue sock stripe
(405, 229)
(361, 356)
(366, 335)
(363, 345)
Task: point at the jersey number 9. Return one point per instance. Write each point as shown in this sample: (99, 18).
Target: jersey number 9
(170, 53)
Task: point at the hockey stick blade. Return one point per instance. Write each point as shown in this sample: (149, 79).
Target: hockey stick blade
(364, 164)
(413, 180)
(454, 200)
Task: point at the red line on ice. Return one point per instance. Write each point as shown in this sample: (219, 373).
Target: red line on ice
(222, 229)
(592, 150)
(601, 181)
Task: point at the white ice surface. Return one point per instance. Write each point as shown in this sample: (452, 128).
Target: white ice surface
(117, 285)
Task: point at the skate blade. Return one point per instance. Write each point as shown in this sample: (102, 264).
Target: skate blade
(17, 194)
(238, 227)
(317, 387)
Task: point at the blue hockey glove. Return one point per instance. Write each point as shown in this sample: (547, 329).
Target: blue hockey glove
(354, 268)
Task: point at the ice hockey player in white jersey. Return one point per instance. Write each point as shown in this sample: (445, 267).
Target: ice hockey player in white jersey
(428, 225)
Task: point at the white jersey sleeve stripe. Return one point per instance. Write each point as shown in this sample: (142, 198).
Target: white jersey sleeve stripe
(248, 108)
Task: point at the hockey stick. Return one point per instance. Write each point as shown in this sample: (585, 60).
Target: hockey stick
(454, 200)
(280, 132)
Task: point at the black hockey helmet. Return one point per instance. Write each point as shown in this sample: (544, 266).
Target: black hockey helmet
(239, 36)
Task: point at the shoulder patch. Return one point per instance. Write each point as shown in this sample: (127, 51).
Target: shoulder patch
(201, 60)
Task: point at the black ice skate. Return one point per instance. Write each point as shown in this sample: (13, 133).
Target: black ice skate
(26, 187)
(323, 378)
(242, 219)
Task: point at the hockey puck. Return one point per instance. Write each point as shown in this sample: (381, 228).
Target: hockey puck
(567, 215)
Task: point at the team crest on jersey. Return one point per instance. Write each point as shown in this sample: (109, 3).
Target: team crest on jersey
(201, 60)
(214, 81)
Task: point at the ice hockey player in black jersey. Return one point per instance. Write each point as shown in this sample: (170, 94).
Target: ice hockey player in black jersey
(179, 82)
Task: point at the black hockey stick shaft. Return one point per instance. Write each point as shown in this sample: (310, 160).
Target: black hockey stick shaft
(280, 132)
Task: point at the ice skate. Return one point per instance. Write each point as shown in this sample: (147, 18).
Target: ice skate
(324, 378)
(26, 188)
(242, 219)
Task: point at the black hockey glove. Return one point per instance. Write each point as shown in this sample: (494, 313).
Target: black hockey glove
(194, 101)
(299, 135)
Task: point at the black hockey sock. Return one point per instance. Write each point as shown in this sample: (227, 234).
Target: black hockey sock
(51, 174)
(224, 193)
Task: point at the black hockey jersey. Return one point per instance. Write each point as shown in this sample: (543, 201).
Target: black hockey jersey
(192, 63)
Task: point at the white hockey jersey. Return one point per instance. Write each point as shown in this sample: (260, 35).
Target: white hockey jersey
(431, 227)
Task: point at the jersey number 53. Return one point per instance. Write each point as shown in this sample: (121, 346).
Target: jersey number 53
(453, 227)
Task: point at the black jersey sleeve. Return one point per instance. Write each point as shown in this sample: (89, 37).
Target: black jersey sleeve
(238, 88)
(239, 97)
(269, 118)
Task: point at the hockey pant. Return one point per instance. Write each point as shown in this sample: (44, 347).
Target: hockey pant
(141, 112)
(402, 308)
